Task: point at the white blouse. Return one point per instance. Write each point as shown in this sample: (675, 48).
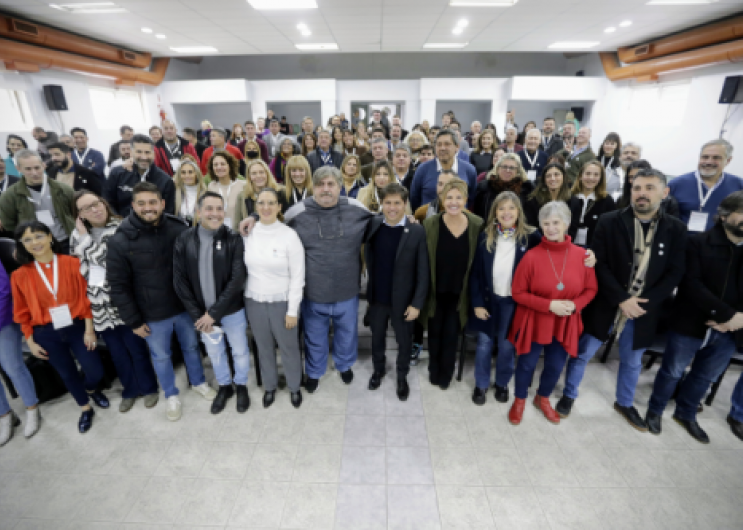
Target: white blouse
(274, 257)
(505, 254)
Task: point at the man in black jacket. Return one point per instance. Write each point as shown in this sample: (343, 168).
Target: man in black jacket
(324, 155)
(118, 188)
(64, 170)
(139, 268)
(639, 262)
(126, 133)
(551, 142)
(209, 275)
(397, 261)
(706, 319)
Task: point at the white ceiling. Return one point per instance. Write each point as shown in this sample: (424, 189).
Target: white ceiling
(235, 28)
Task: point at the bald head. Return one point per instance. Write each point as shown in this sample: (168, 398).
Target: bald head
(584, 137)
(170, 132)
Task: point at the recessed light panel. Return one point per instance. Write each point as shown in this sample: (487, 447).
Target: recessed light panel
(272, 5)
(326, 46)
(194, 49)
(573, 45)
(443, 45)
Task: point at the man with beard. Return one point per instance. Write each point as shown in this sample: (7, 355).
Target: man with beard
(86, 156)
(63, 170)
(551, 141)
(170, 148)
(126, 133)
(639, 262)
(125, 151)
(581, 153)
(700, 192)
(707, 316)
(45, 140)
(631, 152)
(118, 188)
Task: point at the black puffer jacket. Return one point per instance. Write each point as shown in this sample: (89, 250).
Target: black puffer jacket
(229, 273)
(139, 266)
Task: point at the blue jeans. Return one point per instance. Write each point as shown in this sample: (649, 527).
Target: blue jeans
(708, 363)
(235, 329)
(60, 345)
(161, 332)
(630, 365)
(506, 361)
(736, 408)
(11, 359)
(317, 318)
(131, 357)
(554, 361)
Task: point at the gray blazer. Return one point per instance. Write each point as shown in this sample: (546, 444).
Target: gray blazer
(273, 146)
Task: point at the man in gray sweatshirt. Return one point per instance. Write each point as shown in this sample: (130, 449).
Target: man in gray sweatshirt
(332, 229)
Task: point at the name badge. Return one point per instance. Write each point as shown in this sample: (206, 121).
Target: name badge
(532, 174)
(61, 317)
(698, 221)
(97, 277)
(45, 216)
(228, 222)
(581, 237)
(273, 150)
(175, 164)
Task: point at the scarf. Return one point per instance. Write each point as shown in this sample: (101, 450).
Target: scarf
(641, 261)
(508, 233)
(499, 186)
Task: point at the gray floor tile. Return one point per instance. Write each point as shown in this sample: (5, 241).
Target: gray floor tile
(464, 507)
(412, 508)
(363, 465)
(210, 503)
(162, 500)
(409, 465)
(310, 506)
(406, 431)
(318, 463)
(361, 507)
(259, 504)
(272, 462)
(365, 430)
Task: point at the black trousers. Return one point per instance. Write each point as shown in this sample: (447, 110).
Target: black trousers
(379, 316)
(443, 339)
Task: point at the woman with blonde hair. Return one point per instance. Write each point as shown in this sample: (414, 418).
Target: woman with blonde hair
(203, 133)
(507, 175)
(298, 180)
(309, 144)
(259, 176)
(416, 140)
(189, 186)
(589, 202)
(225, 180)
(552, 185)
(382, 174)
(351, 173)
(362, 135)
(251, 150)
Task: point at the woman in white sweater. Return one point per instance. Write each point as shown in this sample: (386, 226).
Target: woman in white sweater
(274, 257)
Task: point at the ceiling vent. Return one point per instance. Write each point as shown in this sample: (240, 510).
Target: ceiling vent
(26, 28)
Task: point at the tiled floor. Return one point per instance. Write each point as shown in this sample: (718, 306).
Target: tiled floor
(353, 459)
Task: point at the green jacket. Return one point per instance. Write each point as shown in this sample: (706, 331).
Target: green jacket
(432, 238)
(574, 165)
(16, 206)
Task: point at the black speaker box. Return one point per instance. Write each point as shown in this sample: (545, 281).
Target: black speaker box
(732, 90)
(578, 112)
(55, 99)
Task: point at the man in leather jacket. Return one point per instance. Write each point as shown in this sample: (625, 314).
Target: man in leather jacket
(209, 277)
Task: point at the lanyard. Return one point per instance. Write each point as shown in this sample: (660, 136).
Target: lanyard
(173, 152)
(296, 198)
(144, 177)
(703, 199)
(81, 159)
(43, 190)
(46, 282)
(533, 162)
(606, 166)
(5, 183)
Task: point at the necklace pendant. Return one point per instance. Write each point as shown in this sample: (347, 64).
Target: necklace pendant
(560, 286)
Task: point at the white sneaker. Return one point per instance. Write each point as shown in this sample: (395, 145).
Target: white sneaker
(205, 391)
(33, 422)
(7, 423)
(173, 412)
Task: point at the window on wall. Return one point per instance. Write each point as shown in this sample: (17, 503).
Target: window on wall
(15, 112)
(114, 108)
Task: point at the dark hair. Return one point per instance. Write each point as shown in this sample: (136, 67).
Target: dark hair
(78, 129)
(376, 166)
(304, 147)
(15, 137)
(125, 128)
(146, 187)
(155, 127)
(66, 149)
(232, 162)
(446, 132)
(206, 195)
(23, 256)
(650, 173)
(81, 193)
(142, 139)
(426, 147)
(393, 189)
(611, 137)
(624, 200)
(273, 120)
(435, 127)
(189, 130)
(542, 194)
(455, 122)
(731, 204)
(639, 164)
(379, 129)
(249, 122)
(279, 216)
(549, 118)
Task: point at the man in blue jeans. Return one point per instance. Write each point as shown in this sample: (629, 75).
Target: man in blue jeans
(707, 314)
(639, 262)
(735, 418)
(139, 265)
(209, 275)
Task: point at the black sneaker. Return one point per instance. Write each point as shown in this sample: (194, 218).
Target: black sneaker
(375, 381)
(296, 399)
(347, 376)
(225, 392)
(654, 422)
(311, 385)
(403, 390)
(632, 416)
(415, 355)
(735, 426)
(479, 396)
(501, 394)
(694, 429)
(243, 398)
(564, 406)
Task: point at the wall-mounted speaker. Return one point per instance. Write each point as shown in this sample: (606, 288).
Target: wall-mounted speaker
(578, 112)
(732, 90)
(55, 99)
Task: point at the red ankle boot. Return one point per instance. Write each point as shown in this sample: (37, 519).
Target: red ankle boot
(543, 404)
(517, 411)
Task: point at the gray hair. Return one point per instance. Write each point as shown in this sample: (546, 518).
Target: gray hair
(652, 173)
(635, 145)
(512, 128)
(533, 130)
(221, 131)
(325, 172)
(26, 153)
(447, 132)
(380, 141)
(720, 141)
(476, 122)
(403, 147)
(64, 136)
(555, 209)
(308, 118)
(324, 131)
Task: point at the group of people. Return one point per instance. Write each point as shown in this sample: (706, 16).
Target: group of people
(545, 248)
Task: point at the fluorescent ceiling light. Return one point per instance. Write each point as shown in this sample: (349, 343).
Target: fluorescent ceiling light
(458, 30)
(194, 49)
(327, 46)
(572, 45)
(679, 2)
(160, 36)
(306, 32)
(625, 24)
(85, 6)
(301, 26)
(482, 3)
(463, 23)
(610, 29)
(445, 44)
(87, 9)
(146, 30)
(270, 5)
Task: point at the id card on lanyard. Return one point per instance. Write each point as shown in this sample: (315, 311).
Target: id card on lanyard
(81, 159)
(44, 216)
(61, 316)
(698, 220)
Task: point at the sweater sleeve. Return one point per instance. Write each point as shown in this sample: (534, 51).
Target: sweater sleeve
(590, 288)
(520, 285)
(21, 310)
(295, 252)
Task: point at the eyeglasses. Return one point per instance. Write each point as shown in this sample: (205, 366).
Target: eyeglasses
(92, 205)
(509, 168)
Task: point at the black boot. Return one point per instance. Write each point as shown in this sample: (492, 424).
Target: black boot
(243, 399)
(654, 422)
(376, 380)
(296, 399)
(479, 396)
(268, 398)
(225, 392)
(501, 394)
(403, 390)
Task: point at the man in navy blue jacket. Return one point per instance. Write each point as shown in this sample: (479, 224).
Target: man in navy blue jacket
(426, 176)
(85, 156)
(700, 192)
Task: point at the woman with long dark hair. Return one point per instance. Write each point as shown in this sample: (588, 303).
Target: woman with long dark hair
(14, 144)
(608, 156)
(552, 185)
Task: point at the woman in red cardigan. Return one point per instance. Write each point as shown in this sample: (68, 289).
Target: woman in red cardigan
(551, 286)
